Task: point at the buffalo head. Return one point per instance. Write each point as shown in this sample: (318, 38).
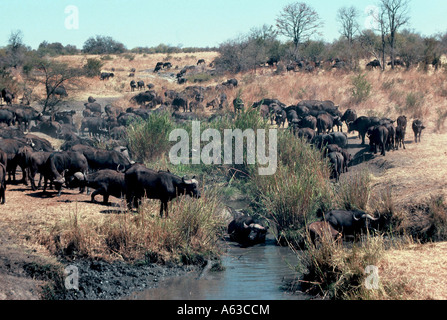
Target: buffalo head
(191, 187)
(257, 232)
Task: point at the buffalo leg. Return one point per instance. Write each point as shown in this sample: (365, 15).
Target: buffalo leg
(164, 207)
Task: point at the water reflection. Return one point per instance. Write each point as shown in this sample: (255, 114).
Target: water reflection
(256, 273)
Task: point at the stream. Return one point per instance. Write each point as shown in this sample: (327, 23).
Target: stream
(261, 272)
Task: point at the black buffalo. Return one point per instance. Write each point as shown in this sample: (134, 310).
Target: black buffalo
(336, 161)
(417, 127)
(95, 126)
(11, 147)
(7, 116)
(400, 137)
(106, 75)
(350, 115)
(362, 124)
(326, 122)
(7, 96)
(105, 182)
(140, 84)
(36, 162)
(61, 165)
(373, 64)
(347, 222)
(246, 231)
(103, 159)
(165, 186)
(378, 137)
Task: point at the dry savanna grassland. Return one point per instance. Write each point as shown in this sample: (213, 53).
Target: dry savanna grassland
(413, 177)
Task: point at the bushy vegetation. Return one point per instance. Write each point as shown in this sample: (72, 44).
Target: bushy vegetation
(93, 67)
(361, 88)
(102, 45)
(300, 188)
(189, 235)
(148, 140)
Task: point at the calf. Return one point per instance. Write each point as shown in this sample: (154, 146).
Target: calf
(323, 230)
(400, 137)
(336, 161)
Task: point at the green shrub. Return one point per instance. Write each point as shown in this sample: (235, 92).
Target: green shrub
(93, 67)
(149, 139)
(361, 89)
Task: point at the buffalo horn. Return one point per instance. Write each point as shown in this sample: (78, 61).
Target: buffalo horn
(79, 176)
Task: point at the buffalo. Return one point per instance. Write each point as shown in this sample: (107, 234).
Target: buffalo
(105, 182)
(336, 161)
(349, 222)
(7, 116)
(140, 85)
(417, 127)
(321, 230)
(60, 165)
(326, 122)
(362, 124)
(106, 75)
(373, 64)
(378, 136)
(246, 231)
(103, 159)
(400, 137)
(349, 116)
(36, 162)
(162, 185)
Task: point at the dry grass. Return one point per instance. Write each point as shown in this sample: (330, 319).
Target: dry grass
(420, 267)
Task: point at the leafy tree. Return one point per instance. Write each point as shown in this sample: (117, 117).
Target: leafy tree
(102, 45)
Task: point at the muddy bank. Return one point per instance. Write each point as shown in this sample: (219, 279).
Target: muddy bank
(99, 280)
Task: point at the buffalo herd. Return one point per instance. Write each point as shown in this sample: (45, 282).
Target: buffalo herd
(79, 164)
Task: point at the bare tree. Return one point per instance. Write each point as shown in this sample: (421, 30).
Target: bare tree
(299, 22)
(382, 27)
(347, 16)
(395, 16)
(54, 76)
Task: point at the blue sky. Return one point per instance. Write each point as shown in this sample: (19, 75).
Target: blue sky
(187, 22)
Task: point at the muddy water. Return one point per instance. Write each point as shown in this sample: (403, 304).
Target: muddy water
(261, 272)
